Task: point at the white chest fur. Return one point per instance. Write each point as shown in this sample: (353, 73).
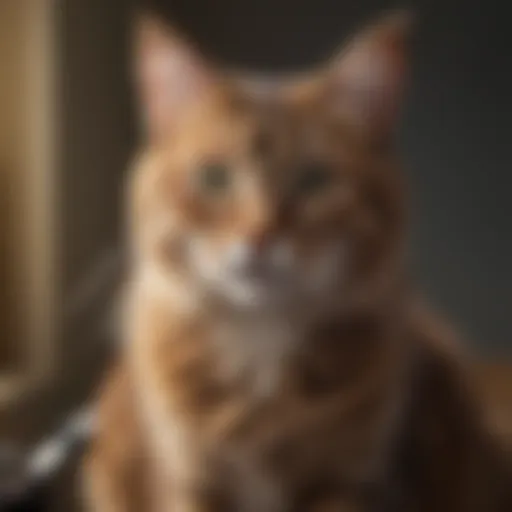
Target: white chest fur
(256, 349)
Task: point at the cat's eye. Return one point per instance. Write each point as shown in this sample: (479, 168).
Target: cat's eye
(214, 178)
(313, 178)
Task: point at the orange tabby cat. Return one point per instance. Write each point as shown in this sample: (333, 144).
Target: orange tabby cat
(275, 357)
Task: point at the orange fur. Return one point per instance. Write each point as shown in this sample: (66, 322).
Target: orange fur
(276, 358)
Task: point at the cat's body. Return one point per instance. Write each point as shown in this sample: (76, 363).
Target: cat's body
(275, 359)
(411, 443)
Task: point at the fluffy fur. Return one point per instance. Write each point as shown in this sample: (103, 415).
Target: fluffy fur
(276, 358)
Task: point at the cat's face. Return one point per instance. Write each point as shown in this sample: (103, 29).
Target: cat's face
(268, 195)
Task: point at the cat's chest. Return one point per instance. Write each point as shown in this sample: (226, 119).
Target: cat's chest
(255, 352)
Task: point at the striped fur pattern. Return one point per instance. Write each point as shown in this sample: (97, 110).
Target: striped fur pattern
(275, 358)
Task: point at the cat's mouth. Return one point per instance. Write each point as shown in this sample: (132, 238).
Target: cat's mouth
(256, 291)
(241, 277)
(261, 275)
(255, 285)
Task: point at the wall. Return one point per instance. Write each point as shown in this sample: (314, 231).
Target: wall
(11, 169)
(27, 151)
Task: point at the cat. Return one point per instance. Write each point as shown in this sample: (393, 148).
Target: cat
(276, 356)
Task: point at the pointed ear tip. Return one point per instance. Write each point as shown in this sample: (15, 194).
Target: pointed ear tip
(144, 22)
(400, 21)
(148, 21)
(142, 16)
(154, 30)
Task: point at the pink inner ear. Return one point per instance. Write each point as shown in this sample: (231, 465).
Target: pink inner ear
(369, 77)
(171, 78)
(372, 83)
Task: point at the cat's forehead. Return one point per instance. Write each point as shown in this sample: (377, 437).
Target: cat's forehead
(263, 118)
(259, 87)
(257, 111)
(264, 88)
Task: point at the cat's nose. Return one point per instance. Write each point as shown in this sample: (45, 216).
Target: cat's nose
(259, 226)
(261, 241)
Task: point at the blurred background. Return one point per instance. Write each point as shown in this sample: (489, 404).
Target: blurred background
(68, 130)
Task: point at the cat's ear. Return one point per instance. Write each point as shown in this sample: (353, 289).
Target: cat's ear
(170, 75)
(367, 79)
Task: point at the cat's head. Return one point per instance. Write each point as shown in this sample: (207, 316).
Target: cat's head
(271, 192)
